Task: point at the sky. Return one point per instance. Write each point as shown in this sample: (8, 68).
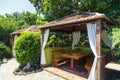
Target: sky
(11, 6)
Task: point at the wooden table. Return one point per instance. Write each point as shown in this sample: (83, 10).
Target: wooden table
(74, 56)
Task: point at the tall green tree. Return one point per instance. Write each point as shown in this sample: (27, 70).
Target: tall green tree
(54, 9)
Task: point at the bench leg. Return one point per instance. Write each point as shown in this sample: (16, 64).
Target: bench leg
(88, 72)
(55, 63)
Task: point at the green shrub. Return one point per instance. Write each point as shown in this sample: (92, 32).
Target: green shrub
(115, 35)
(5, 51)
(27, 48)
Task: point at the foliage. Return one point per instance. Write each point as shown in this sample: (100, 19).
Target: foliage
(111, 8)
(40, 21)
(83, 40)
(5, 51)
(51, 39)
(58, 40)
(54, 9)
(16, 21)
(27, 48)
(115, 35)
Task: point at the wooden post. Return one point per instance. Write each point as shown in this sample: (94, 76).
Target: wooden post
(98, 49)
(41, 36)
(41, 42)
(12, 42)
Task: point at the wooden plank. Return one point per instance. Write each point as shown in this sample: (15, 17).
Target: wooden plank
(64, 74)
(98, 49)
(113, 66)
(75, 56)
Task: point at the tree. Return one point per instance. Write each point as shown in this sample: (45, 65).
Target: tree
(108, 7)
(54, 9)
(16, 21)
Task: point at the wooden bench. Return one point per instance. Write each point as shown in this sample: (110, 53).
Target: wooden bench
(88, 65)
(76, 50)
(57, 59)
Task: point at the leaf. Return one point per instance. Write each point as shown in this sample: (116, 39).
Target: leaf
(108, 1)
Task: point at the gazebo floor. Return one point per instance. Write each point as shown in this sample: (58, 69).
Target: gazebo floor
(64, 74)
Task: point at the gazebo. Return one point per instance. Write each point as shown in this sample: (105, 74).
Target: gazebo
(92, 23)
(17, 33)
(30, 28)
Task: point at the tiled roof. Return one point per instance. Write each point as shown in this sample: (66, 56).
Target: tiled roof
(31, 28)
(75, 18)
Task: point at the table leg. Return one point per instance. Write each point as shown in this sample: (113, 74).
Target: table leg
(72, 65)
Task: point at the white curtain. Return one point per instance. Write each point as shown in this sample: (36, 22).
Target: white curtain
(43, 58)
(106, 39)
(91, 29)
(15, 37)
(76, 38)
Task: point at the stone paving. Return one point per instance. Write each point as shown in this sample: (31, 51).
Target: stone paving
(6, 73)
(64, 74)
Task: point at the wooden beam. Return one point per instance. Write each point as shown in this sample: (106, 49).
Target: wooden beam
(98, 49)
(67, 25)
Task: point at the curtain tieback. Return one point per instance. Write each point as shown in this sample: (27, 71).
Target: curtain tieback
(99, 56)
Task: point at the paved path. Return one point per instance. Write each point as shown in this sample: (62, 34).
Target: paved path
(6, 73)
(64, 74)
